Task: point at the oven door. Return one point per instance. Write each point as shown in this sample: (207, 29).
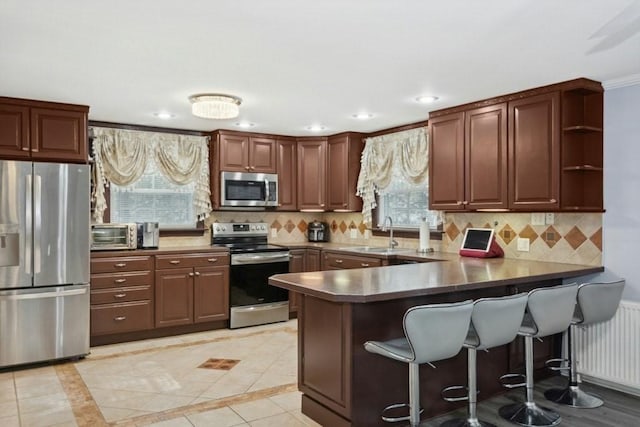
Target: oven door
(253, 301)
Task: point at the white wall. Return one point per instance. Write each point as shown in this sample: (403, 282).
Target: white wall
(621, 222)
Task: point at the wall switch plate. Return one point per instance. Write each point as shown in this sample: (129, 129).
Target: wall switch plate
(353, 233)
(549, 218)
(274, 232)
(537, 218)
(523, 244)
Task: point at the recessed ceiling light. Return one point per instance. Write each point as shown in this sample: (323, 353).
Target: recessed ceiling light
(316, 128)
(427, 99)
(245, 125)
(362, 116)
(164, 115)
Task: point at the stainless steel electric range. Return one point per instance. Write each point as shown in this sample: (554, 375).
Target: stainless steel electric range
(252, 300)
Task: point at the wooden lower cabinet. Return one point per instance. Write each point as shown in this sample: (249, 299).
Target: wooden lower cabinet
(340, 261)
(121, 294)
(196, 291)
(302, 260)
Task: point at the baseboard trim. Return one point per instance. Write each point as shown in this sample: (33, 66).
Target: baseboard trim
(624, 388)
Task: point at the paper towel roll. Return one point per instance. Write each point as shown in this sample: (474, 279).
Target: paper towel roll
(424, 236)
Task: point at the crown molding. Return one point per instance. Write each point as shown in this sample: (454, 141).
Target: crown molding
(630, 80)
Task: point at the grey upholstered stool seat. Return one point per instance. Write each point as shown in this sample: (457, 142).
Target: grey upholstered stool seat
(597, 302)
(432, 332)
(494, 322)
(549, 312)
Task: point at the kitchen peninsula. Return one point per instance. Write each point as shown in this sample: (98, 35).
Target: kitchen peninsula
(343, 385)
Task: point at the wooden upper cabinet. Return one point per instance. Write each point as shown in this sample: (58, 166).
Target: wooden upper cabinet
(343, 167)
(534, 152)
(486, 157)
(446, 162)
(286, 150)
(312, 174)
(14, 131)
(239, 152)
(44, 131)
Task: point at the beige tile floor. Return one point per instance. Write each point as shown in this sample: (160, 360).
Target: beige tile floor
(161, 383)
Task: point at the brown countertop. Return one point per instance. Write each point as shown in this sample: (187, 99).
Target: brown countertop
(159, 251)
(452, 274)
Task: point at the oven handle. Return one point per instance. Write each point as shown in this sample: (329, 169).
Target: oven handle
(239, 259)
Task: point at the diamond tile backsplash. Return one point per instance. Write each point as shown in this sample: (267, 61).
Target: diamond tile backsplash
(573, 238)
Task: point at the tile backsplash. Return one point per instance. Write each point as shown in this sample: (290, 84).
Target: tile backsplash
(574, 238)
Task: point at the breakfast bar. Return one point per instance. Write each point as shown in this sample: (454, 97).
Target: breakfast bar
(344, 385)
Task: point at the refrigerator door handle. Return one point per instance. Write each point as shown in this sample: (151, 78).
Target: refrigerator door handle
(29, 225)
(37, 224)
(40, 295)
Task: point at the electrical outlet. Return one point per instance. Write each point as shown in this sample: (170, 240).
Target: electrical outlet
(549, 218)
(353, 233)
(274, 233)
(523, 244)
(537, 218)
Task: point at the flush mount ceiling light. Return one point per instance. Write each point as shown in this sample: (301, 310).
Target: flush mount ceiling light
(215, 106)
(427, 99)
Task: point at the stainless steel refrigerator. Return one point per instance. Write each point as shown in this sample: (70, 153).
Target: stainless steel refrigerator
(44, 261)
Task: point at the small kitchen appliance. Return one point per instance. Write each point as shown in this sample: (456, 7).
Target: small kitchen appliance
(148, 235)
(113, 237)
(318, 231)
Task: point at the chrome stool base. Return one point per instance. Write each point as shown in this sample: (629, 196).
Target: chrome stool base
(573, 396)
(530, 414)
(461, 422)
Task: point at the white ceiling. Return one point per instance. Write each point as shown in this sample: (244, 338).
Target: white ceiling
(300, 62)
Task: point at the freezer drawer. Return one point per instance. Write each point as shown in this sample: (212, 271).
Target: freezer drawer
(41, 324)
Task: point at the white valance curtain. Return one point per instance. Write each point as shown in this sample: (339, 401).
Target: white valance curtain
(405, 152)
(121, 157)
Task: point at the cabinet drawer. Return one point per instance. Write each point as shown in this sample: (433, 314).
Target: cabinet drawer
(213, 259)
(118, 280)
(117, 264)
(350, 261)
(125, 294)
(126, 317)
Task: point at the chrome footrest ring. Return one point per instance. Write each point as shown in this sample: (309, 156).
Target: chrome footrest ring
(444, 391)
(559, 361)
(396, 419)
(506, 378)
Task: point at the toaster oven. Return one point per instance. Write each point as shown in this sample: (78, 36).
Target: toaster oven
(109, 237)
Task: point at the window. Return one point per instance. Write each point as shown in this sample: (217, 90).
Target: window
(154, 198)
(406, 203)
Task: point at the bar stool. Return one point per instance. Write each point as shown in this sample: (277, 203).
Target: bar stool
(597, 302)
(494, 322)
(549, 312)
(432, 332)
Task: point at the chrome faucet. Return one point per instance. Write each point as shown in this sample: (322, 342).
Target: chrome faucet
(392, 243)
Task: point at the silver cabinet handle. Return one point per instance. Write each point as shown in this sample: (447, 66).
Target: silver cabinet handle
(364, 264)
(213, 260)
(120, 295)
(197, 273)
(120, 280)
(553, 200)
(174, 261)
(120, 264)
(191, 274)
(339, 261)
(459, 203)
(120, 318)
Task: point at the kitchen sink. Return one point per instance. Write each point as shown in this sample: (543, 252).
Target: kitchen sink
(375, 250)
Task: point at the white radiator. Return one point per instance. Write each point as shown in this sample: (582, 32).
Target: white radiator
(609, 353)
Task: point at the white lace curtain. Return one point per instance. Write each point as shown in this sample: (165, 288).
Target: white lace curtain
(406, 152)
(121, 157)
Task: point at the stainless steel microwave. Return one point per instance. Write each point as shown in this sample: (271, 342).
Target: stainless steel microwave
(108, 237)
(240, 189)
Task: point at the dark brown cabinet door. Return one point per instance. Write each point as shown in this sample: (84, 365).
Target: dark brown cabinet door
(14, 131)
(312, 260)
(343, 167)
(174, 297)
(486, 157)
(312, 174)
(534, 152)
(262, 155)
(58, 135)
(286, 168)
(211, 294)
(234, 153)
(296, 265)
(446, 162)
